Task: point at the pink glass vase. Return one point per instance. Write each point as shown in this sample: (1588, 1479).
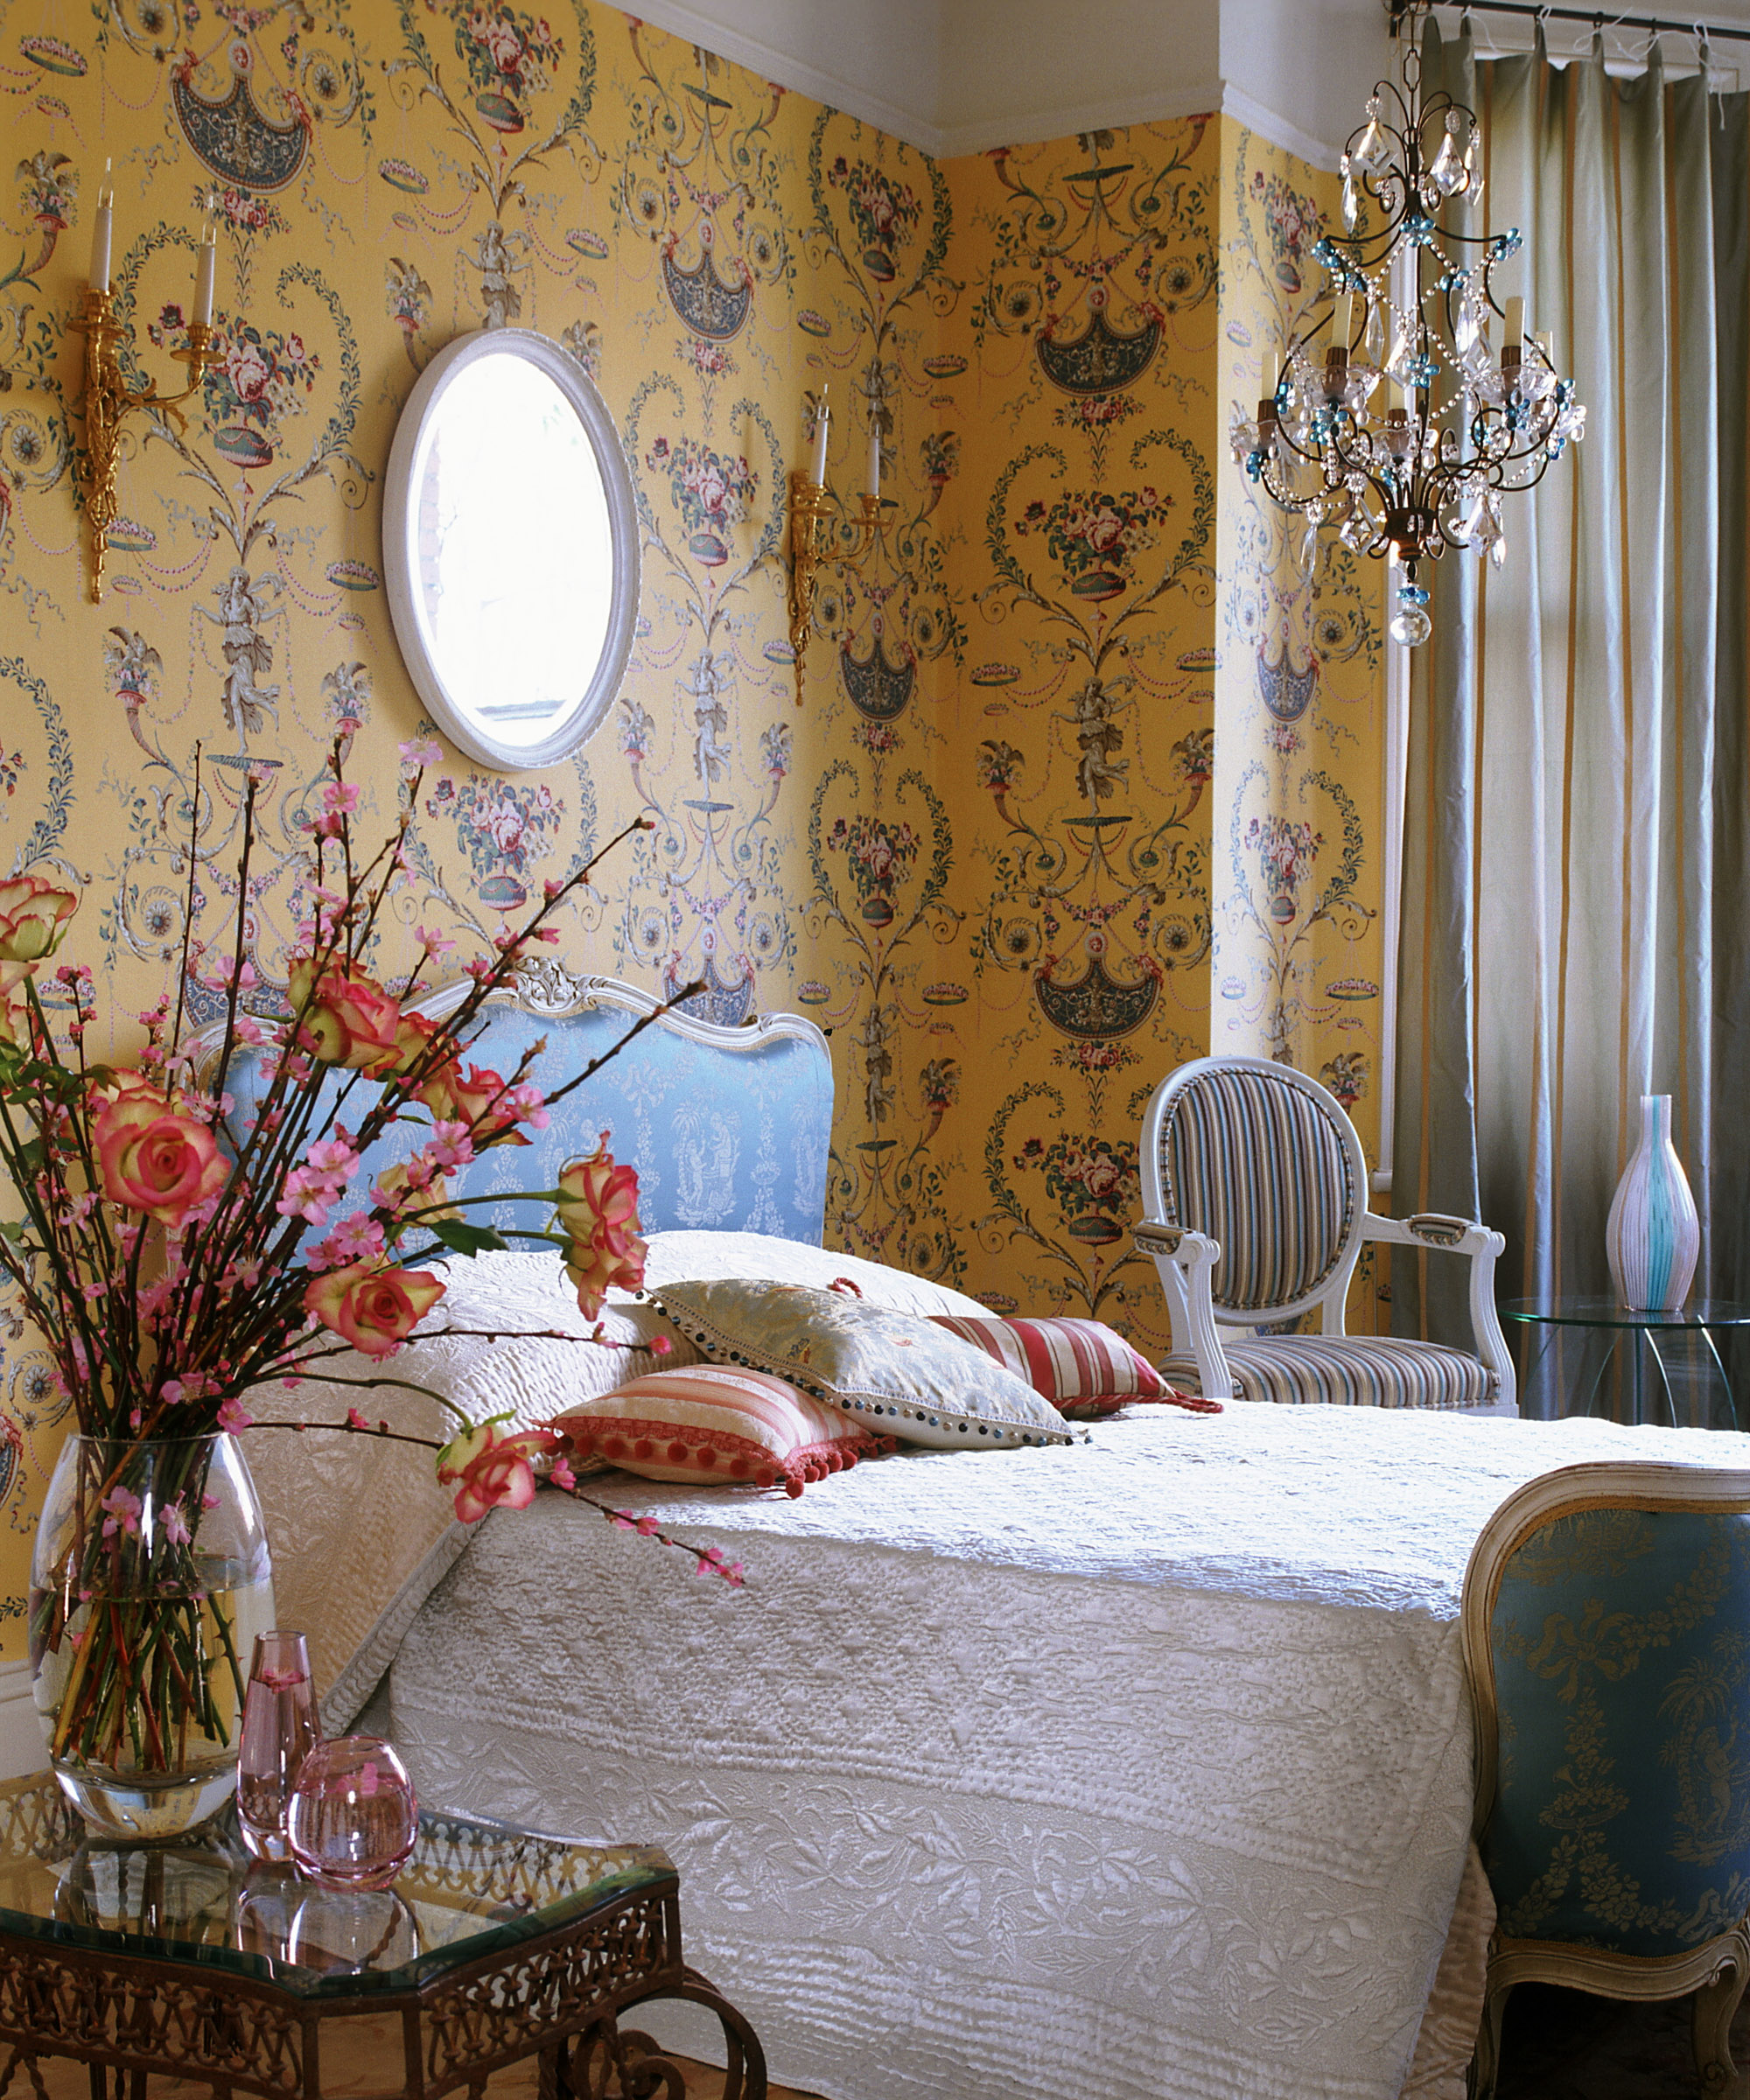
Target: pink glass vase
(353, 1818)
(280, 1729)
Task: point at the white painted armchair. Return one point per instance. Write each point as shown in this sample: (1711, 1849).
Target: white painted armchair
(1255, 1213)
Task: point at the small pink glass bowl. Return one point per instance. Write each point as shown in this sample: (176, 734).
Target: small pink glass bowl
(352, 1819)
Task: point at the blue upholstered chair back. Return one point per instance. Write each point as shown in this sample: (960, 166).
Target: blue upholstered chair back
(1607, 1629)
(1251, 1156)
(728, 1127)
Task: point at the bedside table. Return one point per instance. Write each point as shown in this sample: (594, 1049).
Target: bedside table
(1698, 1390)
(495, 1944)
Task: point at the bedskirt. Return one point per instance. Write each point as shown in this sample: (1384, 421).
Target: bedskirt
(1139, 1771)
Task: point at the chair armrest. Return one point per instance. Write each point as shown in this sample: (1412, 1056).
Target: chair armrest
(1178, 1243)
(1436, 1233)
(1433, 1228)
(1185, 1262)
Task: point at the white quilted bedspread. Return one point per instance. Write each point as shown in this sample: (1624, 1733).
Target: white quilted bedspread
(1135, 1771)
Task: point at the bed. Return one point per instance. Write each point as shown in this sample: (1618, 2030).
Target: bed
(1136, 1769)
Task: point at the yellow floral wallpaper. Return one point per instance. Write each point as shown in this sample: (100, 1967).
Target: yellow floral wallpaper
(1086, 780)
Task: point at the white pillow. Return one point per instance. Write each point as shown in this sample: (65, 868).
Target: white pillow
(676, 1257)
(362, 1533)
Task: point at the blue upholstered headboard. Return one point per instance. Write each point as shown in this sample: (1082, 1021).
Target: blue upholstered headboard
(727, 1127)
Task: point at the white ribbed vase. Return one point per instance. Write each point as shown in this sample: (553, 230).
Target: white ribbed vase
(1653, 1238)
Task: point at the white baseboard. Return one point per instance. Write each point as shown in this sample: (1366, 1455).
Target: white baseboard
(21, 1734)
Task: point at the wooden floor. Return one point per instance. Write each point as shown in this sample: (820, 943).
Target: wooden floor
(1559, 2045)
(371, 2064)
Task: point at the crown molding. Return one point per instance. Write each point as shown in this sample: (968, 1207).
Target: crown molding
(1032, 127)
(1244, 109)
(785, 69)
(1202, 99)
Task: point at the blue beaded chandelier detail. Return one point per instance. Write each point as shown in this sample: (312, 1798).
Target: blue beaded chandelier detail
(1394, 418)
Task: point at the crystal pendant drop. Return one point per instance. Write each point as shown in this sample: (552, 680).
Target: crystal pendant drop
(1352, 207)
(1410, 625)
(1447, 173)
(1373, 338)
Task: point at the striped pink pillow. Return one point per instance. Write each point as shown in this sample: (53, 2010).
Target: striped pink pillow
(716, 1421)
(1083, 1366)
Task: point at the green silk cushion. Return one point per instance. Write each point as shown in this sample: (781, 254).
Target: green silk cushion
(904, 1376)
(1621, 1648)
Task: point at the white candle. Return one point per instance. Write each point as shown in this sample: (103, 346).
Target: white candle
(1394, 397)
(1545, 341)
(205, 261)
(100, 236)
(875, 461)
(1271, 376)
(817, 464)
(1513, 329)
(1342, 322)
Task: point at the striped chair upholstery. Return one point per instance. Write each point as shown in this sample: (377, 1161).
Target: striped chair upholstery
(1252, 1162)
(1254, 1214)
(1352, 1370)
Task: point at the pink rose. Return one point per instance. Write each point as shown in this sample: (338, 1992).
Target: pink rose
(489, 1108)
(33, 916)
(344, 1017)
(153, 1158)
(608, 1262)
(491, 1471)
(373, 1310)
(599, 1214)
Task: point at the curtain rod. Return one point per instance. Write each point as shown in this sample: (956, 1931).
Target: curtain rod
(1704, 31)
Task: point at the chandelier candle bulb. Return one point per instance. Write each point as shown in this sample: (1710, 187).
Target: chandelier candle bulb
(874, 462)
(1342, 323)
(1269, 381)
(1513, 332)
(822, 423)
(100, 224)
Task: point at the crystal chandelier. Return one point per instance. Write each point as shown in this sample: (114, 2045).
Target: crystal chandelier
(1396, 418)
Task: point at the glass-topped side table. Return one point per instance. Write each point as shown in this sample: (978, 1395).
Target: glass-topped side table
(1676, 1375)
(495, 1944)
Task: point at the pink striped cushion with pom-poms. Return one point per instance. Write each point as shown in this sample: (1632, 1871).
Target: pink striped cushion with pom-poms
(1083, 1366)
(716, 1421)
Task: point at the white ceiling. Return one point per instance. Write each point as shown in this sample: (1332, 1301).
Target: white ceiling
(960, 76)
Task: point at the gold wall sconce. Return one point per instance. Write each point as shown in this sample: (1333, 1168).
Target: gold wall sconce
(108, 396)
(811, 537)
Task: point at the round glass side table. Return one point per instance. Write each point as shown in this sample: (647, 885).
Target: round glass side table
(1674, 1373)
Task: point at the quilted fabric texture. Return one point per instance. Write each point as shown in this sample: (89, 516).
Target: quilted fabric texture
(1084, 1367)
(717, 1422)
(1622, 1678)
(1144, 1771)
(902, 1374)
(1346, 1370)
(1251, 1160)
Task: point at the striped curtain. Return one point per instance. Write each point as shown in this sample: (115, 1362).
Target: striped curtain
(1576, 893)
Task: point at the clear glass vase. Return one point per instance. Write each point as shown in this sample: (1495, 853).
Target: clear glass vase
(149, 1581)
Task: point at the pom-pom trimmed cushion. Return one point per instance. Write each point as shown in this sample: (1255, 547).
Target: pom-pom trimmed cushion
(1084, 1367)
(714, 1422)
(900, 1374)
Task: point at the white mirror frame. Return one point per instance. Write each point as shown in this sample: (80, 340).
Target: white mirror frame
(400, 515)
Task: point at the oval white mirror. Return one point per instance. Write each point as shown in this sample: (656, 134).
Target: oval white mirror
(510, 548)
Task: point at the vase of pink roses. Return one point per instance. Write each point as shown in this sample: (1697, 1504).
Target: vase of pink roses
(175, 1252)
